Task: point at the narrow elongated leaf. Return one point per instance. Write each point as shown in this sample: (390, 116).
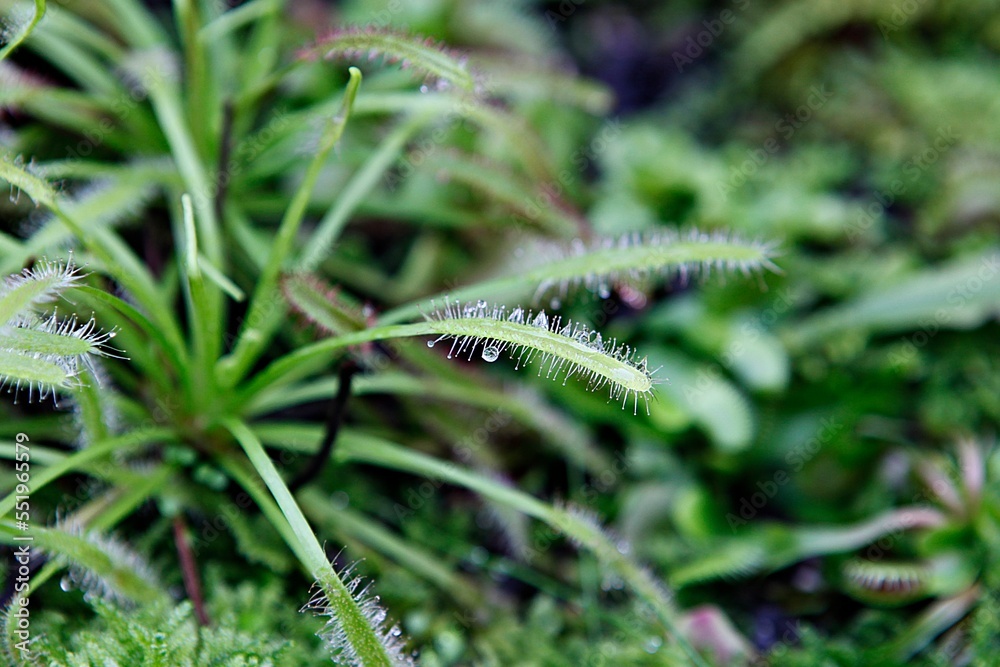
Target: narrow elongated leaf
(446, 68)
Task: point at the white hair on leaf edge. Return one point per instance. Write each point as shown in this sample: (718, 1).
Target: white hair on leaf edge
(565, 349)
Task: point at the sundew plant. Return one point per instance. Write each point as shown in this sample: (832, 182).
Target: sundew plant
(207, 210)
(365, 334)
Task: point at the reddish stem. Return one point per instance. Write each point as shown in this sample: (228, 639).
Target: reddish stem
(189, 568)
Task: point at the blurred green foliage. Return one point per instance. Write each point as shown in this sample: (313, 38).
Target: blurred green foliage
(801, 414)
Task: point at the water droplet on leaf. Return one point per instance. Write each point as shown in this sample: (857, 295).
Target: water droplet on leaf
(340, 500)
(491, 353)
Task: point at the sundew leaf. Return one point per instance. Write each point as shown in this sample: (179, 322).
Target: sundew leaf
(530, 80)
(53, 338)
(357, 632)
(19, 29)
(732, 559)
(47, 355)
(101, 204)
(266, 318)
(321, 304)
(516, 193)
(39, 376)
(21, 292)
(446, 68)
(565, 349)
(21, 178)
(604, 262)
(581, 526)
(100, 565)
(44, 354)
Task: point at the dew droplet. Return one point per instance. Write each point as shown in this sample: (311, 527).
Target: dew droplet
(481, 303)
(653, 644)
(340, 500)
(424, 88)
(430, 343)
(555, 303)
(65, 584)
(603, 291)
(479, 555)
(541, 320)
(491, 353)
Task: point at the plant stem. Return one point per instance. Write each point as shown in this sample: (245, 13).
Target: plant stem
(345, 611)
(266, 306)
(189, 570)
(334, 417)
(368, 449)
(332, 224)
